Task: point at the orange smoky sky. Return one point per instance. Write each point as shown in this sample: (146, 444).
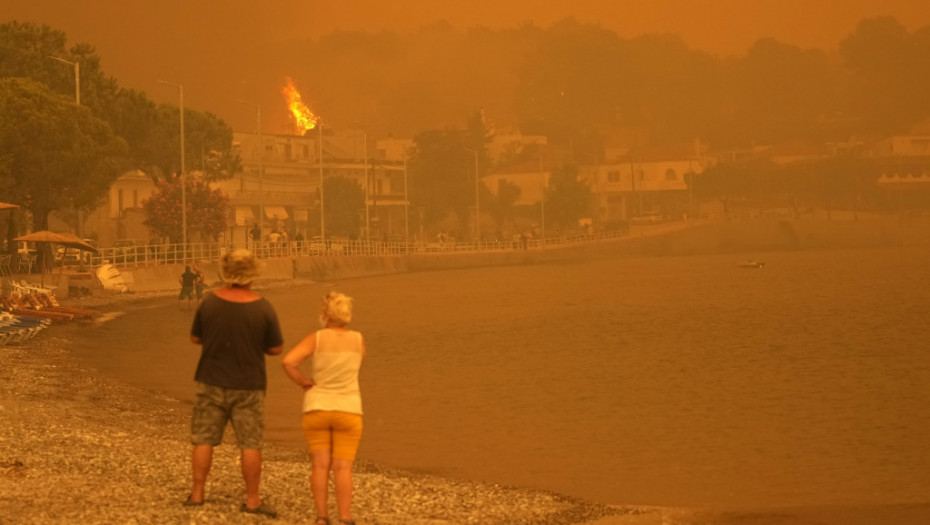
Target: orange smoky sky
(717, 26)
(186, 42)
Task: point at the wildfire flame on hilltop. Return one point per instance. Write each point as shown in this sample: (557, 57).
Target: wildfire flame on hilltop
(304, 119)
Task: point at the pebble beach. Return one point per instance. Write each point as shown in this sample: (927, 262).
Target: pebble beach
(76, 447)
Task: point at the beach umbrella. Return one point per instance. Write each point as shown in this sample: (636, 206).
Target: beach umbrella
(68, 240)
(47, 238)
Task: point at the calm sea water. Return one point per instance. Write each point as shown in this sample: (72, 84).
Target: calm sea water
(663, 381)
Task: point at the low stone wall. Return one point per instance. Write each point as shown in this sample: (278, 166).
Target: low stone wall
(697, 239)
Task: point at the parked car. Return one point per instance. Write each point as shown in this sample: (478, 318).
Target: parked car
(70, 256)
(332, 246)
(616, 225)
(128, 250)
(646, 218)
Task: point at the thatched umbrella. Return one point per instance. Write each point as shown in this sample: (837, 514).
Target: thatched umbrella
(68, 240)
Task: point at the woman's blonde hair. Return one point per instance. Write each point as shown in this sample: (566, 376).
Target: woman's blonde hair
(239, 267)
(337, 307)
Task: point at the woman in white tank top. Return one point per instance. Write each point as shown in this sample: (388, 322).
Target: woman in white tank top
(332, 420)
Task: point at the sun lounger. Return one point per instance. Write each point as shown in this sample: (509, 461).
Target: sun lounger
(49, 302)
(26, 287)
(14, 329)
(14, 306)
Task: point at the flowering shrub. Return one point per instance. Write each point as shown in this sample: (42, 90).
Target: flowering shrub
(206, 209)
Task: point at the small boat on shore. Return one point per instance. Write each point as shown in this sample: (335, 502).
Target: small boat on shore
(751, 264)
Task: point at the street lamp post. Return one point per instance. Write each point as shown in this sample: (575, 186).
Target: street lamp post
(477, 208)
(261, 165)
(542, 200)
(359, 127)
(367, 189)
(77, 100)
(319, 127)
(183, 171)
(406, 206)
(690, 191)
(77, 77)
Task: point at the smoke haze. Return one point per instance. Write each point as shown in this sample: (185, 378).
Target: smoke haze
(224, 51)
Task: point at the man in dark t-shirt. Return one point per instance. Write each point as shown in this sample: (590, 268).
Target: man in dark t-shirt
(237, 329)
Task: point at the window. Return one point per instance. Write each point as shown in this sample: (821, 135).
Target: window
(613, 176)
(670, 174)
(135, 198)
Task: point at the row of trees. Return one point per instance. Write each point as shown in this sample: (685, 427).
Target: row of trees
(576, 82)
(61, 156)
(58, 156)
(831, 183)
(444, 166)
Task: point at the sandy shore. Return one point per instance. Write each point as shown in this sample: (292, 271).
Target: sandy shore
(79, 448)
(76, 447)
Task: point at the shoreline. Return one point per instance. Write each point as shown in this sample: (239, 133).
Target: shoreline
(79, 447)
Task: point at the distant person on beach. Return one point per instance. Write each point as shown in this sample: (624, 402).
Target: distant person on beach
(187, 280)
(256, 234)
(237, 328)
(198, 281)
(332, 420)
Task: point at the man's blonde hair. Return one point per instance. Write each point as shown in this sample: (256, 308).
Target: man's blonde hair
(239, 267)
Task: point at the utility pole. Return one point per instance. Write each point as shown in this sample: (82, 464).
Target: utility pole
(319, 124)
(477, 206)
(77, 100)
(183, 172)
(542, 199)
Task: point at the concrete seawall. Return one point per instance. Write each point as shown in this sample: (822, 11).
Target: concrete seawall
(742, 237)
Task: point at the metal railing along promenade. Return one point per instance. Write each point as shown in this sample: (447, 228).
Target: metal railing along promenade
(156, 254)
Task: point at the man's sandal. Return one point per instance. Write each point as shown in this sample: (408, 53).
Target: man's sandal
(322, 519)
(347, 522)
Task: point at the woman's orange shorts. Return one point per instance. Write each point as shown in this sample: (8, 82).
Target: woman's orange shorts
(333, 430)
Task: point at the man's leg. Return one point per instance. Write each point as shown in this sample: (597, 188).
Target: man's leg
(252, 474)
(202, 459)
(248, 422)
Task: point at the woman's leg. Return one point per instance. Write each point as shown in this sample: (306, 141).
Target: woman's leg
(342, 476)
(319, 479)
(346, 436)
